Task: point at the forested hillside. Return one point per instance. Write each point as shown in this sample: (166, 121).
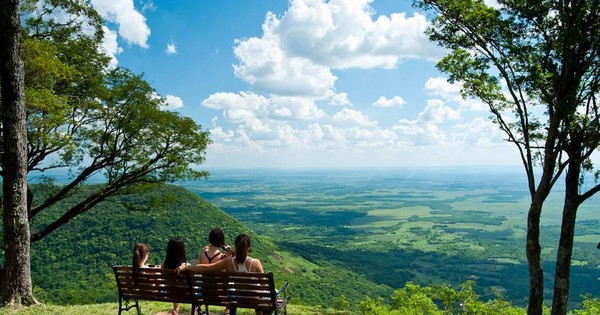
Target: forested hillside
(73, 265)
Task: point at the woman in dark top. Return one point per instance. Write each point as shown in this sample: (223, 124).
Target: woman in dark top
(212, 253)
(175, 258)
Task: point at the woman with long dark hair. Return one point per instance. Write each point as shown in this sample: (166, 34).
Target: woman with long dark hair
(175, 258)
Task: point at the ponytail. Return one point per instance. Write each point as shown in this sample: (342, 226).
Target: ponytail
(140, 250)
(242, 247)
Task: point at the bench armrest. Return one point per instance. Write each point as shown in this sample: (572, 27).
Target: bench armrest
(282, 289)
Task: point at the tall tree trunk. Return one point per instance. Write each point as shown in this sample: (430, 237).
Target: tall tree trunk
(533, 251)
(565, 246)
(15, 287)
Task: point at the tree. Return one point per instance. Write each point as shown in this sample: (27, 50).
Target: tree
(84, 117)
(536, 60)
(15, 284)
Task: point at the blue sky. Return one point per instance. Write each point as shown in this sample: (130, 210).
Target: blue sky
(304, 83)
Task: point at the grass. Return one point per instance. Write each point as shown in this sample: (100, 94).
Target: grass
(148, 308)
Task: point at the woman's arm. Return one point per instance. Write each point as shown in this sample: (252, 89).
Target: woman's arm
(217, 266)
(257, 266)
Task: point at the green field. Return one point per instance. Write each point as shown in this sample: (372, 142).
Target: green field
(427, 226)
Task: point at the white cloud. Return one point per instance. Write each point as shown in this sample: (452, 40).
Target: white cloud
(148, 6)
(420, 134)
(171, 49)
(344, 34)
(351, 117)
(243, 100)
(294, 108)
(264, 66)
(110, 46)
(132, 24)
(436, 112)
(395, 101)
(340, 99)
(274, 107)
(439, 86)
(173, 102)
(296, 52)
(478, 132)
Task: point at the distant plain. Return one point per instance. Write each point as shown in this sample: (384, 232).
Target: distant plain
(430, 226)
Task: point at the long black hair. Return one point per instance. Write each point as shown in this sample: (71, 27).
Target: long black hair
(175, 253)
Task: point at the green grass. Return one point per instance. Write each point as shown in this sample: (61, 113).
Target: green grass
(148, 308)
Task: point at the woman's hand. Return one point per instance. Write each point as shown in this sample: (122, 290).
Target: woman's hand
(180, 269)
(228, 251)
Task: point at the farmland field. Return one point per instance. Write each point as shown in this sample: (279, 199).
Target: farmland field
(422, 225)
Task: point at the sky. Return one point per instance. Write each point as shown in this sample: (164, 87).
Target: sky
(304, 83)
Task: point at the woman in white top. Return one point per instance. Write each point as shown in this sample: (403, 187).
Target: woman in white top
(140, 255)
(241, 262)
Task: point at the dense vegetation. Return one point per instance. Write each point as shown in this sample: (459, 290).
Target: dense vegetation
(72, 266)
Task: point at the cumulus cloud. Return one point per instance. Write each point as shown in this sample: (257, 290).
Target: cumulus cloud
(478, 132)
(419, 134)
(256, 105)
(351, 117)
(436, 112)
(266, 67)
(171, 49)
(131, 23)
(110, 46)
(440, 87)
(395, 101)
(340, 99)
(296, 52)
(173, 102)
(295, 108)
(344, 34)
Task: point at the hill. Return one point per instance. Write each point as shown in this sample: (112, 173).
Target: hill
(72, 265)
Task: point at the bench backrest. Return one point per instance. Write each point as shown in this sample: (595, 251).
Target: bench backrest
(244, 290)
(234, 289)
(155, 284)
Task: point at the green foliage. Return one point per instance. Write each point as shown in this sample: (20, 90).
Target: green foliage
(591, 306)
(341, 303)
(439, 300)
(414, 297)
(89, 119)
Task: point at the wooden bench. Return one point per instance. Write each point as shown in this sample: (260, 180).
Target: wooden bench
(150, 284)
(241, 290)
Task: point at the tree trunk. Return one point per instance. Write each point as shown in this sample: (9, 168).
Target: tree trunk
(565, 247)
(15, 287)
(533, 250)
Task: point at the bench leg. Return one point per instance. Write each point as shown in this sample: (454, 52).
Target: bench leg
(127, 307)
